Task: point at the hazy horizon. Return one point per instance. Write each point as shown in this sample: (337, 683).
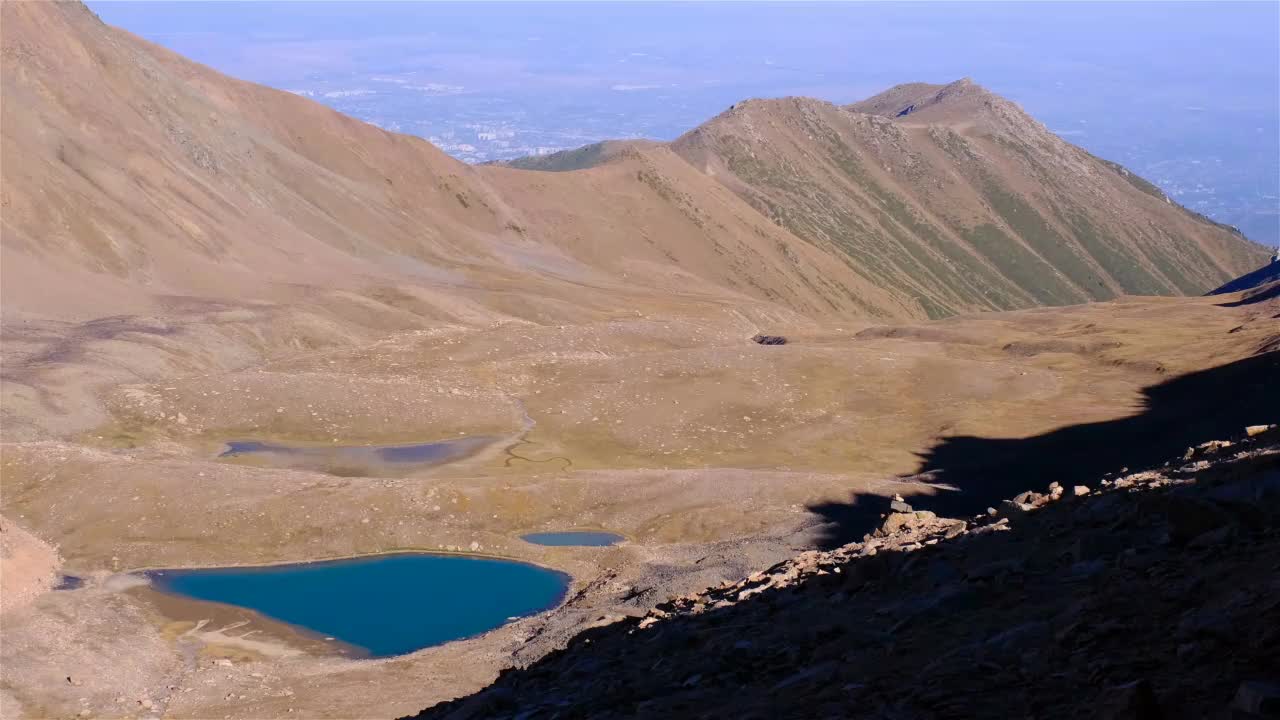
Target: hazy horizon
(1185, 94)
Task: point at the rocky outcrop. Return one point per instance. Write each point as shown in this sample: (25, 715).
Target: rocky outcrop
(1151, 595)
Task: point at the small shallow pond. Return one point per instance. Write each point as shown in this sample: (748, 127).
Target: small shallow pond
(69, 582)
(354, 460)
(573, 537)
(386, 604)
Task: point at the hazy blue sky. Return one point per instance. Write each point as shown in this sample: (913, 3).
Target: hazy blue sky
(1185, 93)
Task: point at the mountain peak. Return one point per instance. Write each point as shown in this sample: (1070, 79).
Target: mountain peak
(944, 186)
(581, 158)
(939, 103)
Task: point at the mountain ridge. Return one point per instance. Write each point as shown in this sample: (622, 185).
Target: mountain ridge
(986, 192)
(854, 180)
(253, 179)
(240, 161)
(190, 261)
(261, 222)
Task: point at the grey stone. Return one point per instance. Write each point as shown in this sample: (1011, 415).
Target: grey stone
(1013, 508)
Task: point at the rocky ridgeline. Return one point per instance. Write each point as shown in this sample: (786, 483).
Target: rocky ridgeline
(1152, 595)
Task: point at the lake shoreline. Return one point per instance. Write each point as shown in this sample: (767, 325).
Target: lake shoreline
(430, 599)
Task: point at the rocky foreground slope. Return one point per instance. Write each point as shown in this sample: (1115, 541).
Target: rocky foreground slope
(1153, 594)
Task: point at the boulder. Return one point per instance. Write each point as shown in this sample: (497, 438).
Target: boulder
(897, 521)
(1032, 498)
(1012, 508)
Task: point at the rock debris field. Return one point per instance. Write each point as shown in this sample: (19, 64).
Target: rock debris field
(1151, 595)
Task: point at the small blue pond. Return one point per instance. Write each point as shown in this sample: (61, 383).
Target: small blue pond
(356, 460)
(386, 605)
(69, 582)
(573, 537)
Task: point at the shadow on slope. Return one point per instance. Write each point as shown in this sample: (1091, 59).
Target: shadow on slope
(1257, 296)
(1265, 274)
(1060, 613)
(1178, 413)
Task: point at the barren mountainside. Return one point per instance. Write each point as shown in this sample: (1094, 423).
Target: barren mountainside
(950, 199)
(153, 181)
(146, 176)
(206, 223)
(418, 356)
(955, 197)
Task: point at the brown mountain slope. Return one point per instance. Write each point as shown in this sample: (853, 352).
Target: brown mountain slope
(143, 176)
(159, 218)
(957, 198)
(646, 212)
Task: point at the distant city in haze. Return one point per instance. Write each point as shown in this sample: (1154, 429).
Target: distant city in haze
(1185, 94)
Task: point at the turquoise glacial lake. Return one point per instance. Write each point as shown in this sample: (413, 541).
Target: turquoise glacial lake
(386, 604)
(573, 538)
